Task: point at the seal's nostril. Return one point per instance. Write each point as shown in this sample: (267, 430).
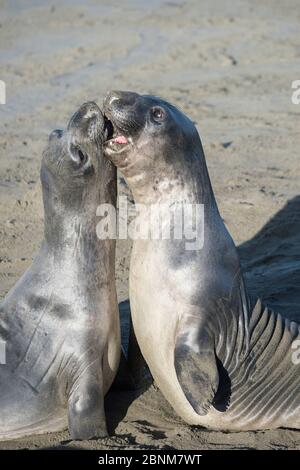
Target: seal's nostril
(91, 111)
(112, 99)
(88, 115)
(115, 99)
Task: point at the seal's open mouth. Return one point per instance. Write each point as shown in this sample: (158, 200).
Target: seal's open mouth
(115, 141)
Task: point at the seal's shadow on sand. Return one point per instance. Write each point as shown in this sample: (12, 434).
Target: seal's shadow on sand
(271, 266)
(271, 261)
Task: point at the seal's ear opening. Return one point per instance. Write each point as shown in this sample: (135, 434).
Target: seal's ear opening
(56, 134)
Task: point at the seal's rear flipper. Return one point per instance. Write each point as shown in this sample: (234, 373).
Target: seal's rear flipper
(197, 373)
(86, 415)
(137, 365)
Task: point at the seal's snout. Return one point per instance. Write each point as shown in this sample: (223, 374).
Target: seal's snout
(86, 112)
(121, 110)
(88, 121)
(120, 98)
(78, 149)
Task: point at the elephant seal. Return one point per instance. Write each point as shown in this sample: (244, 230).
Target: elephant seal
(60, 322)
(221, 361)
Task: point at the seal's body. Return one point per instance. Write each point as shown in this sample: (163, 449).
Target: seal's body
(60, 323)
(221, 361)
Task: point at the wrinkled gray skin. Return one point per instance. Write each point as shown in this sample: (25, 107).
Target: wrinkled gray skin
(61, 322)
(221, 361)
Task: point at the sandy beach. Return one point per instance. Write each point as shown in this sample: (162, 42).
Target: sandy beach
(227, 65)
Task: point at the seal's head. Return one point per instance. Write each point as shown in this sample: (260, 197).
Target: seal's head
(153, 143)
(73, 161)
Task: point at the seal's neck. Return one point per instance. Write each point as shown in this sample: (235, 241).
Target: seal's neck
(185, 181)
(70, 236)
(77, 256)
(69, 232)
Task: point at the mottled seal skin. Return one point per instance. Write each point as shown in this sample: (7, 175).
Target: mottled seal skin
(61, 322)
(221, 361)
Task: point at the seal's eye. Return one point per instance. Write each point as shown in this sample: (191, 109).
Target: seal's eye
(82, 156)
(158, 114)
(78, 156)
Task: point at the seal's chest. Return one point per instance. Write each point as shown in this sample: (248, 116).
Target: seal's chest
(154, 317)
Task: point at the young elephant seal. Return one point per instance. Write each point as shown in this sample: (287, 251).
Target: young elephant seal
(221, 361)
(60, 323)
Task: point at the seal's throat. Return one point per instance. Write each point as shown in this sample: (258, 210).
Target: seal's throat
(71, 243)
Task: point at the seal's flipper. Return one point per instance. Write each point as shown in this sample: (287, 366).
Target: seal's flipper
(137, 365)
(197, 372)
(86, 406)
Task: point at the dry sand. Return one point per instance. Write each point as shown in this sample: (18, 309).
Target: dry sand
(229, 66)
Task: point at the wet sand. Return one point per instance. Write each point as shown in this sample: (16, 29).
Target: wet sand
(229, 66)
